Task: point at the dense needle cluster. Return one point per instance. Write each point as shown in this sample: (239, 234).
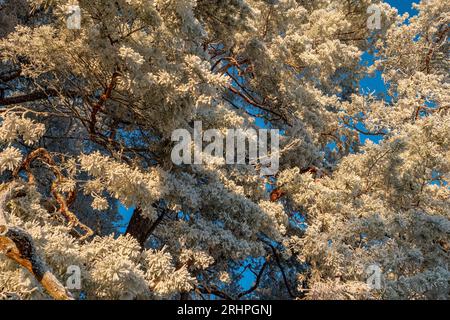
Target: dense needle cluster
(86, 121)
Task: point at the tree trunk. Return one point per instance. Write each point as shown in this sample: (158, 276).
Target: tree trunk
(139, 227)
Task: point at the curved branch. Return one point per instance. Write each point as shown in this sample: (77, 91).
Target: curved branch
(213, 290)
(257, 281)
(283, 273)
(64, 203)
(18, 245)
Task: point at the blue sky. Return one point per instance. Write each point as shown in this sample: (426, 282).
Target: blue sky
(403, 6)
(375, 84)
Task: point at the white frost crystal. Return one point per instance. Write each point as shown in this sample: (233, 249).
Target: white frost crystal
(89, 115)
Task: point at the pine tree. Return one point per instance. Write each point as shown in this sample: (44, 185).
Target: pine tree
(87, 116)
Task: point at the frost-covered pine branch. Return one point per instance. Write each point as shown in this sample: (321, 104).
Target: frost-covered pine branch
(88, 106)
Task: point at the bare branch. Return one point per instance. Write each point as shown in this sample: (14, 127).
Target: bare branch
(35, 96)
(64, 203)
(257, 281)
